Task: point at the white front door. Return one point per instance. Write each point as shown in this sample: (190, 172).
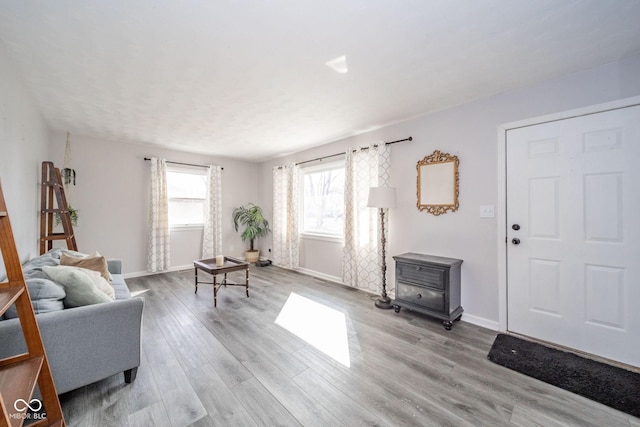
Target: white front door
(573, 233)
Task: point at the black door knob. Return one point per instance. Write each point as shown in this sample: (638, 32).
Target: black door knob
(515, 227)
(515, 241)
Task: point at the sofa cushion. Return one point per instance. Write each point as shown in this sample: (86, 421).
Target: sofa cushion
(78, 286)
(45, 296)
(120, 287)
(95, 262)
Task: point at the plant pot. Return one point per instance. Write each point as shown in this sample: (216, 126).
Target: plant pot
(252, 256)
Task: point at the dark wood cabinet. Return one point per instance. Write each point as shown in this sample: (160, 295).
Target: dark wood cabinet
(430, 285)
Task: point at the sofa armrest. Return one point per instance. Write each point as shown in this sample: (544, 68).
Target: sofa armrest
(84, 344)
(115, 266)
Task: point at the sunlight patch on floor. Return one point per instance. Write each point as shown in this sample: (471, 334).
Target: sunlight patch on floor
(136, 293)
(319, 325)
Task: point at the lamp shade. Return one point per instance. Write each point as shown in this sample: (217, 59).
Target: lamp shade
(382, 197)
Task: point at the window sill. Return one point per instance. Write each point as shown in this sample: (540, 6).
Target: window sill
(323, 237)
(185, 227)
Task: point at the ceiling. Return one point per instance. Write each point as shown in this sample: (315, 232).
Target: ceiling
(247, 79)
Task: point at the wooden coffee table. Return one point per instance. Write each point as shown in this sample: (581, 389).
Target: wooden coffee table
(230, 265)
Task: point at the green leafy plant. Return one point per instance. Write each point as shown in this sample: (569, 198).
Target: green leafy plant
(73, 214)
(252, 218)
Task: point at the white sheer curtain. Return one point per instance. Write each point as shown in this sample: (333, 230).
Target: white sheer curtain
(159, 239)
(212, 236)
(361, 259)
(286, 242)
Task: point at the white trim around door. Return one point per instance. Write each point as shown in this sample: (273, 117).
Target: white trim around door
(502, 200)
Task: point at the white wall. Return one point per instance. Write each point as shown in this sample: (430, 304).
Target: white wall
(470, 132)
(111, 195)
(23, 145)
(329, 263)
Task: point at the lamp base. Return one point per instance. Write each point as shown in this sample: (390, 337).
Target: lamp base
(384, 302)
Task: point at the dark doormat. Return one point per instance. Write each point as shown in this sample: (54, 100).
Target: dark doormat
(606, 384)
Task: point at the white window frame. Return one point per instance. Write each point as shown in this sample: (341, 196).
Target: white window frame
(318, 235)
(189, 170)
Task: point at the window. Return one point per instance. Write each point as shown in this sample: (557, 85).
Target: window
(186, 190)
(323, 199)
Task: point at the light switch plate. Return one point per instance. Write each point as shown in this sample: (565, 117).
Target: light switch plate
(487, 211)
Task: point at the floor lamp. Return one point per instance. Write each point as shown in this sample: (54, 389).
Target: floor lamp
(383, 198)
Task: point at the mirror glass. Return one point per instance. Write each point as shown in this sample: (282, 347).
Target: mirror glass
(438, 183)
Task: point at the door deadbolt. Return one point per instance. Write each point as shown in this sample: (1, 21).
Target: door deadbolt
(515, 227)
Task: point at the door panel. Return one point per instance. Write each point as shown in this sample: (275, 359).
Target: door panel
(573, 188)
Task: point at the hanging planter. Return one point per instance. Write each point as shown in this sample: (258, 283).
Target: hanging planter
(69, 176)
(68, 173)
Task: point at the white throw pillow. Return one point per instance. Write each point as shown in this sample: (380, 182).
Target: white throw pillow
(78, 286)
(100, 282)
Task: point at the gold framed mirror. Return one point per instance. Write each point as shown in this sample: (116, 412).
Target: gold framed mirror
(438, 183)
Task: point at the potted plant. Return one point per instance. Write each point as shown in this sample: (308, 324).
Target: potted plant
(255, 224)
(73, 215)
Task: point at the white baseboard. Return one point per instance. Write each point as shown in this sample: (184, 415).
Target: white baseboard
(480, 321)
(136, 274)
(320, 275)
(146, 273)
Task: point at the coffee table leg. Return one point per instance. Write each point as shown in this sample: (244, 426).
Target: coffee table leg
(246, 282)
(196, 280)
(215, 292)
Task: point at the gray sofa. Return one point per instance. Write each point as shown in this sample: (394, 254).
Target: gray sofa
(89, 343)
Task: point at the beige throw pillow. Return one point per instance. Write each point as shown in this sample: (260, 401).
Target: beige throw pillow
(95, 262)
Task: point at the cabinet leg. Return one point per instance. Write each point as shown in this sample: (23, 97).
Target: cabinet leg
(447, 324)
(396, 308)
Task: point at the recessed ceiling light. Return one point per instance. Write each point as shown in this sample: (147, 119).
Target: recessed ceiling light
(339, 64)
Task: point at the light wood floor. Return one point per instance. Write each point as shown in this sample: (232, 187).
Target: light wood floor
(233, 365)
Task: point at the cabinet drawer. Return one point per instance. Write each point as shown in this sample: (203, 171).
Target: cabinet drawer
(431, 276)
(425, 297)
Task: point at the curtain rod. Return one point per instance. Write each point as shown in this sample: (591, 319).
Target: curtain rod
(180, 163)
(344, 152)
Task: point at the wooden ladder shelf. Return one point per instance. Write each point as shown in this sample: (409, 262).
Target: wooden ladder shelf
(52, 186)
(19, 374)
